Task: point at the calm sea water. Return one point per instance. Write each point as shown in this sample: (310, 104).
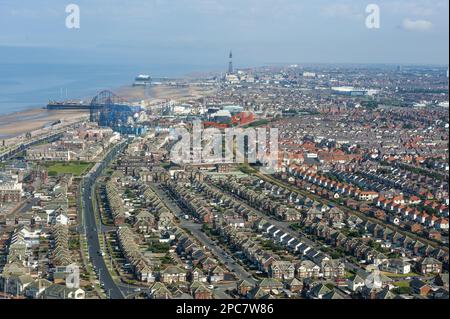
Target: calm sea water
(30, 86)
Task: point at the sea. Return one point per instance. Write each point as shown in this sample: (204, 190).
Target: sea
(27, 86)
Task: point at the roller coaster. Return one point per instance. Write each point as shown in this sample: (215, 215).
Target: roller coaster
(103, 102)
(110, 110)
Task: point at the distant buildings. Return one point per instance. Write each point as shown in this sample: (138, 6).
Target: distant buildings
(84, 143)
(351, 91)
(142, 80)
(49, 153)
(361, 188)
(10, 188)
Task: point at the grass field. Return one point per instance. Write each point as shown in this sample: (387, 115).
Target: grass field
(401, 284)
(399, 275)
(75, 168)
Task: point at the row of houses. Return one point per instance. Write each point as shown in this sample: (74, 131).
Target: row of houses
(195, 290)
(394, 205)
(417, 185)
(412, 214)
(329, 268)
(299, 208)
(38, 288)
(142, 268)
(156, 207)
(10, 188)
(198, 207)
(360, 250)
(60, 253)
(260, 200)
(204, 268)
(18, 247)
(400, 241)
(18, 276)
(114, 200)
(357, 247)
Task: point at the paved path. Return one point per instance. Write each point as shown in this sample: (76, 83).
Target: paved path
(92, 232)
(285, 227)
(196, 231)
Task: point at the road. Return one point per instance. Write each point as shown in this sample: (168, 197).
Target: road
(279, 224)
(196, 231)
(285, 227)
(220, 290)
(25, 206)
(363, 216)
(94, 247)
(49, 135)
(91, 229)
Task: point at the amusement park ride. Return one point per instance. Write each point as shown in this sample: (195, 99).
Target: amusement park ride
(108, 109)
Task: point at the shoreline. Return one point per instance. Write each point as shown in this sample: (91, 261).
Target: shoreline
(20, 123)
(26, 110)
(122, 90)
(15, 124)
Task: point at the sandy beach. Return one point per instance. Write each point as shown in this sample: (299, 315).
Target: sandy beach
(162, 92)
(19, 123)
(15, 124)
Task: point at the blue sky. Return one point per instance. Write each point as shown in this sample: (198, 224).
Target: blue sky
(202, 32)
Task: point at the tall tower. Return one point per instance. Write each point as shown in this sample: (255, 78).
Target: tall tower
(230, 64)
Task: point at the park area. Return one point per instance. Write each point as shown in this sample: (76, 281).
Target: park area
(75, 168)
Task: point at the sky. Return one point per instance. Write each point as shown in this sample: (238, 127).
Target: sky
(202, 32)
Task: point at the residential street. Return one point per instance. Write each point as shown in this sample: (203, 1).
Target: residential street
(196, 231)
(91, 230)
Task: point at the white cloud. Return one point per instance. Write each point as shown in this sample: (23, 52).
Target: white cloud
(416, 25)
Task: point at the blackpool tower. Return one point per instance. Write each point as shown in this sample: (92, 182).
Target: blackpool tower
(230, 64)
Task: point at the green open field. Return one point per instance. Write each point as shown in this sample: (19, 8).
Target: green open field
(75, 168)
(402, 284)
(391, 275)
